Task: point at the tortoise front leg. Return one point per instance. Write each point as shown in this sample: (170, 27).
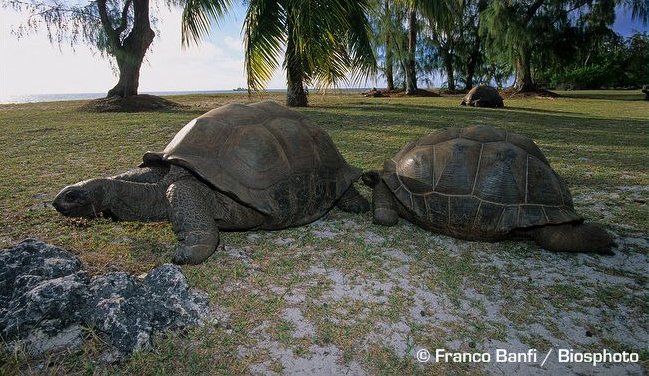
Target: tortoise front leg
(385, 208)
(191, 202)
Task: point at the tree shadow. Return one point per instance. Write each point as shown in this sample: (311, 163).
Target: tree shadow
(631, 96)
(539, 110)
(402, 122)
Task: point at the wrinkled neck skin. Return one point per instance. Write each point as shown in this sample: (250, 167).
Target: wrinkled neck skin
(129, 201)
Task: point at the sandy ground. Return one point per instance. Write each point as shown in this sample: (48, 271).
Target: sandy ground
(509, 296)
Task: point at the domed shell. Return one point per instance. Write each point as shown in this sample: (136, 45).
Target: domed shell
(478, 183)
(265, 156)
(483, 96)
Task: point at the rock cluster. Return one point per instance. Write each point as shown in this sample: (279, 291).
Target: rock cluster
(46, 299)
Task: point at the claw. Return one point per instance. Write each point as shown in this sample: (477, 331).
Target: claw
(192, 255)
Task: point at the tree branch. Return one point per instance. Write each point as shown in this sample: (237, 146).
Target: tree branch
(578, 5)
(113, 36)
(124, 21)
(532, 9)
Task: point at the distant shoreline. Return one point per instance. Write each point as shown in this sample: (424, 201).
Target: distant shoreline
(35, 98)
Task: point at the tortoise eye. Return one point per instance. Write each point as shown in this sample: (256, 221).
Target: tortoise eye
(72, 196)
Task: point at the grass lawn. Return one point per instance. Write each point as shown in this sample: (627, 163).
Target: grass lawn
(344, 295)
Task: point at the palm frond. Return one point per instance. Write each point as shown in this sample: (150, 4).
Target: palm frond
(198, 16)
(332, 39)
(363, 61)
(264, 30)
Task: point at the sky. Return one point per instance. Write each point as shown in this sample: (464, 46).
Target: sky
(32, 65)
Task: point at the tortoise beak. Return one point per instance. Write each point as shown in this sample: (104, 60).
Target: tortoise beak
(74, 202)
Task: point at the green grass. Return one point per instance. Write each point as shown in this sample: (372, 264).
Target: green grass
(597, 140)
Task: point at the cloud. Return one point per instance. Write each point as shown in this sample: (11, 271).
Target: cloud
(234, 44)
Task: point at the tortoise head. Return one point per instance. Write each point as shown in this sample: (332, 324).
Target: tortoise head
(83, 199)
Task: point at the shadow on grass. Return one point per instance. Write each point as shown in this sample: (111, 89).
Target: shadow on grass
(553, 129)
(541, 111)
(631, 96)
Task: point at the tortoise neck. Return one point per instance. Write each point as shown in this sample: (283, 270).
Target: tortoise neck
(129, 201)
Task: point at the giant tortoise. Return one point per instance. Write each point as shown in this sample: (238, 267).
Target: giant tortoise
(482, 183)
(483, 96)
(237, 167)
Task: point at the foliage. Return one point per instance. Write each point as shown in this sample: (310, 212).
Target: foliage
(588, 77)
(198, 16)
(74, 24)
(544, 36)
(615, 63)
(389, 38)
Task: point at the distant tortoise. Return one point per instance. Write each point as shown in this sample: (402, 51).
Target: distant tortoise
(482, 183)
(483, 96)
(237, 167)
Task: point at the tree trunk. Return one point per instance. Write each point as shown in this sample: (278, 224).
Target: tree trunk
(296, 96)
(411, 67)
(475, 56)
(389, 64)
(524, 80)
(472, 62)
(448, 65)
(130, 53)
(129, 76)
(389, 68)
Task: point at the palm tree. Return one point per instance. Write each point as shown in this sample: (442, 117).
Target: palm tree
(323, 41)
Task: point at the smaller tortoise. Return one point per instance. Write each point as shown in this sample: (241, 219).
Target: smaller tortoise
(237, 167)
(482, 183)
(483, 96)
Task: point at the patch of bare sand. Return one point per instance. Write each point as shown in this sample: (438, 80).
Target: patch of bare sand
(574, 296)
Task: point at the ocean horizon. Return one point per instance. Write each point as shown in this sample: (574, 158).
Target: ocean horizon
(33, 98)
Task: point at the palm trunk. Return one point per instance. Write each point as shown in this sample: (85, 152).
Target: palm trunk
(131, 53)
(296, 96)
(411, 67)
(389, 68)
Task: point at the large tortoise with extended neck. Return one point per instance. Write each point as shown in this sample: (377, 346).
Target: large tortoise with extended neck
(482, 183)
(237, 167)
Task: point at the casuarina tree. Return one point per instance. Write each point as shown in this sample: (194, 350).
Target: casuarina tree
(516, 27)
(119, 29)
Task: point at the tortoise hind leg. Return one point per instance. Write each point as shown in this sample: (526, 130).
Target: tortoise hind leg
(574, 238)
(352, 201)
(385, 208)
(192, 221)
